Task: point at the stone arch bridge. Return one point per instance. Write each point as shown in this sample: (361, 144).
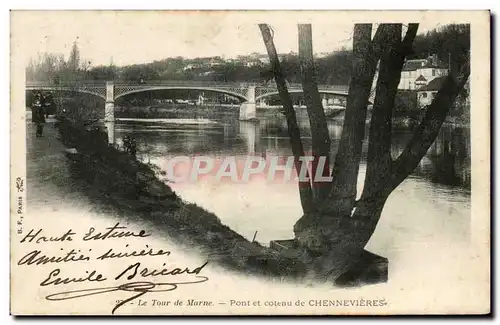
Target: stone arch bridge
(247, 93)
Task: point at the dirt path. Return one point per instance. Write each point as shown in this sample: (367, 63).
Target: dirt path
(47, 169)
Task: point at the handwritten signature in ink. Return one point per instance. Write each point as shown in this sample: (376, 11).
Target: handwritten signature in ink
(139, 289)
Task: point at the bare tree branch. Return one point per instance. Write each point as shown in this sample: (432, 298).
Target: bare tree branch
(410, 37)
(315, 110)
(306, 195)
(392, 59)
(345, 170)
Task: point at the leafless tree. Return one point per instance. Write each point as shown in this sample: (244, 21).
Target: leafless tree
(335, 226)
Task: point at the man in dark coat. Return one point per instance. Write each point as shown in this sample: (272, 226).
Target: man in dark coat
(38, 114)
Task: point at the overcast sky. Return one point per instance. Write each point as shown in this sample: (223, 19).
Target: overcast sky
(139, 37)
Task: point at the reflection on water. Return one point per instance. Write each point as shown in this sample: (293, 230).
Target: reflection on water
(272, 208)
(447, 162)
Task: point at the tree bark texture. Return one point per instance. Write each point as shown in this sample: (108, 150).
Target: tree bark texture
(346, 167)
(315, 111)
(306, 194)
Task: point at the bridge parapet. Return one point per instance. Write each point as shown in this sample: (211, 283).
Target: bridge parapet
(238, 89)
(186, 83)
(262, 92)
(195, 83)
(94, 89)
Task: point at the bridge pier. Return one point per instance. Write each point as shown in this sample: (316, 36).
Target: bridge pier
(251, 133)
(110, 128)
(248, 109)
(109, 111)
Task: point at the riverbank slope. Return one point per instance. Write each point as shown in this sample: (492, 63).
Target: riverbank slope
(115, 178)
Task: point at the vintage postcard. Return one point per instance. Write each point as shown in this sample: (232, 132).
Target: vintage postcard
(250, 162)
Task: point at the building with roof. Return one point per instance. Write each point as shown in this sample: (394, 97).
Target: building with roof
(420, 81)
(252, 60)
(253, 63)
(419, 72)
(427, 93)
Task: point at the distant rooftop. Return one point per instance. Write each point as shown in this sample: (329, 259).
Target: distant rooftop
(431, 62)
(412, 65)
(434, 85)
(421, 78)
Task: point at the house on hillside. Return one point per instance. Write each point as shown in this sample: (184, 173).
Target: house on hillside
(253, 63)
(264, 59)
(192, 66)
(427, 93)
(249, 61)
(321, 55)
(420, 72)
(215, 62)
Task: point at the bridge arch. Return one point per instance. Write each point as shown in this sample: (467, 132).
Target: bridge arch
(299, 91)
(241, 97)
(68, 89)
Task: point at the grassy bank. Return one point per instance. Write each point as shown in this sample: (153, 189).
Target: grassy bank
(114, 178)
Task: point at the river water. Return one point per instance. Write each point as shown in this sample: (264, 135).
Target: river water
(424, 229)
(431, 207)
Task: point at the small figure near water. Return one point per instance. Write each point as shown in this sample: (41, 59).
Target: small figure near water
(133, 147)
(130, 145)
(126, 143)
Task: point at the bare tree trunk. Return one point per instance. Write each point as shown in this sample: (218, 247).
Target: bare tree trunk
(383, 174)
(346, 167)
(376, 188)
(333, 238)
(306, 195)
(315, 111)
(379, 161)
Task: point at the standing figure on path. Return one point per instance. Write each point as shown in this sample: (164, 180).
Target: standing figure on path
(133, 147)
(38, 116)
(126, 143)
